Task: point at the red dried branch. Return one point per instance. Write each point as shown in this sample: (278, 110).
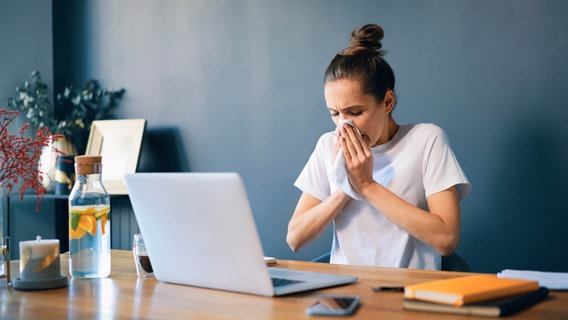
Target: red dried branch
(19, 156)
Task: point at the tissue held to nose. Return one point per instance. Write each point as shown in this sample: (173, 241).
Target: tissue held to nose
(349, 122)
(338, 173)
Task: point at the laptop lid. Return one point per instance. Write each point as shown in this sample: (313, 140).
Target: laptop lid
(199, 231)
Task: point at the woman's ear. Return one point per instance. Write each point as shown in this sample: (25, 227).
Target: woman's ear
(390, 101)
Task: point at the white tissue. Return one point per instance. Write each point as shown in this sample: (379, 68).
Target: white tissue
(349, 122)
(338, 172)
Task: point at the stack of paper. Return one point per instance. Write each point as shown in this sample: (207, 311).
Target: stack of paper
(551, 280)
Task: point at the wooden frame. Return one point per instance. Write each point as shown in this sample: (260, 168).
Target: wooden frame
(119, 143)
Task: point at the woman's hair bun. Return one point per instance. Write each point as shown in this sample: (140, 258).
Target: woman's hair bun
(365, 40)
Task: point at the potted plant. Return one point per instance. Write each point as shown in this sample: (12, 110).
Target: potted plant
(71, 115)
(75, 109)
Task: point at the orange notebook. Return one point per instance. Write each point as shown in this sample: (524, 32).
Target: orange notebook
(468, 289)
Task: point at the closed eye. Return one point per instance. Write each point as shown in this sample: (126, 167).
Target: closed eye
(351, 112)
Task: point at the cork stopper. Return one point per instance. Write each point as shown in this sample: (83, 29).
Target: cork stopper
(88, 164)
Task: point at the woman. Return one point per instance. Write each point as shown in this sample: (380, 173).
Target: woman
(392, 191)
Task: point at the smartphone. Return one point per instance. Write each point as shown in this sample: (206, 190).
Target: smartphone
(334, 306)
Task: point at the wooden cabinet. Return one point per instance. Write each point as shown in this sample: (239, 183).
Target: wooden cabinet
(23, 222)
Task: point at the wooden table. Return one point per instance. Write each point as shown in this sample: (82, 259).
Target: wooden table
(125, 296)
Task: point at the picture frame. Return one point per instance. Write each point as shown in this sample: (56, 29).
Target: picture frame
(119, 143)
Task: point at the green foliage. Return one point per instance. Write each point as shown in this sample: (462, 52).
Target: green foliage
(74, 110)
(32, 100)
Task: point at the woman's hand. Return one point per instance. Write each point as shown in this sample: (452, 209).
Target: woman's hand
(337, 144)
(358, 158)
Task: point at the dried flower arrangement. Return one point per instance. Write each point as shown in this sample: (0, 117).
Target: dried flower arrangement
(19, 156)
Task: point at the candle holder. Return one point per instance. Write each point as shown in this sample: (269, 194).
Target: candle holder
(40, 266)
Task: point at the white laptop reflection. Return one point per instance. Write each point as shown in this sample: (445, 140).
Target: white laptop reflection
(199, 231)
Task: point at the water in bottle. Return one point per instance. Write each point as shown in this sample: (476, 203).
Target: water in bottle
(89, 221)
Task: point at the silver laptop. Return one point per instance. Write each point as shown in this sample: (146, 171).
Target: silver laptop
(199, 231)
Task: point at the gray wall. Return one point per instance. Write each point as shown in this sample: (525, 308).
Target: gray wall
(26, 44)
(242, 81)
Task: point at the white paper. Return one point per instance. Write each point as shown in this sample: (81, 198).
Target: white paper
(551, 280)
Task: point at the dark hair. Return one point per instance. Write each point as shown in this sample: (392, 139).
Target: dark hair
(363, 61)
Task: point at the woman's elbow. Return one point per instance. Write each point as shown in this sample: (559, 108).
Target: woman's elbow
(448, 245)
(292, 243)
(293, 247)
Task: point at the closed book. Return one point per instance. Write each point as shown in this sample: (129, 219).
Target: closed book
(468, 289)
(492, 308)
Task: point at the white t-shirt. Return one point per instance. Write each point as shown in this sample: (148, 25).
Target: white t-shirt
(416, 163)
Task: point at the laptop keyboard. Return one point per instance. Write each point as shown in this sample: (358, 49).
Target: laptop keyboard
(278, 282)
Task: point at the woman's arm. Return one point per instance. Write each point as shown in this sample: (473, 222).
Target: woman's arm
(439, 228)
(312, 216)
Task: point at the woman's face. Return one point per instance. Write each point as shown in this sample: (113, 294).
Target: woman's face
(345, 100)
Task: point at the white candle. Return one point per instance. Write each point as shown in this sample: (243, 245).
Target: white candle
(39, 259)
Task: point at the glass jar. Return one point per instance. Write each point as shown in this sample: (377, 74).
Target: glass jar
(89, 221)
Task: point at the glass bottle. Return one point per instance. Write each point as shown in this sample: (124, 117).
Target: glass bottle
(89, 221)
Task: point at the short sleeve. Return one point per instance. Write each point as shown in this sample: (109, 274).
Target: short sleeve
(441, 168)
(313, 179)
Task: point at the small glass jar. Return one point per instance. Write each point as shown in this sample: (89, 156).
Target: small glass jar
(89, 221)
